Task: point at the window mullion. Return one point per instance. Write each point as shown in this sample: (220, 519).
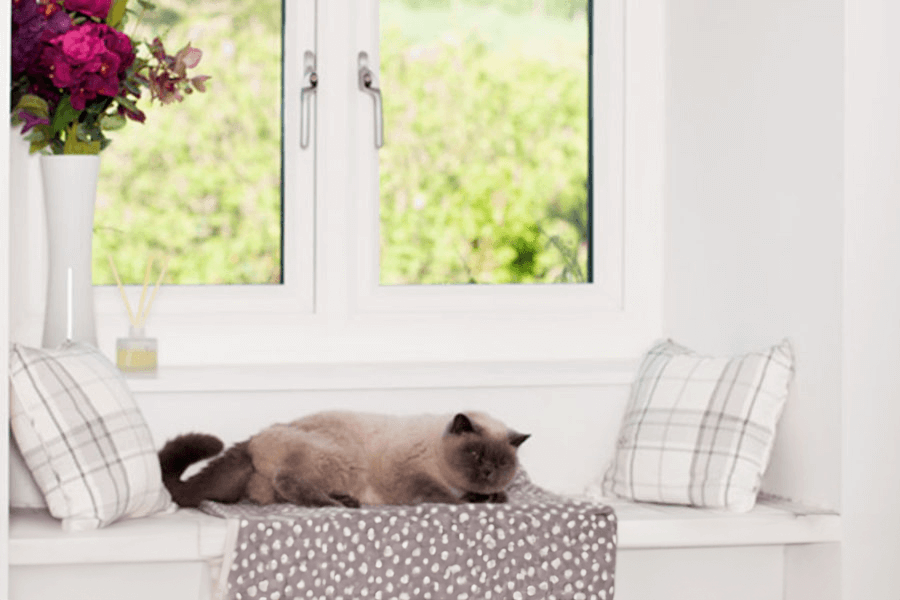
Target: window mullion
(336, 171)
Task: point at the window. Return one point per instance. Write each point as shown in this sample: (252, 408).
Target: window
(485, 176)
(200, 181)
(342, 300)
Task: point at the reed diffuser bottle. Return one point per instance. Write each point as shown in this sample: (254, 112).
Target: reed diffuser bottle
(137, 354)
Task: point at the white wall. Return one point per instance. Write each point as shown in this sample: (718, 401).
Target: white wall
(573, 427)
(871, 317)
(4, 304)
(783, 212)
(754, 230)
(754, 206)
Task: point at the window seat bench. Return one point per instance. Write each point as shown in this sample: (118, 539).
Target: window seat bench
(178, 552)
(772, 521)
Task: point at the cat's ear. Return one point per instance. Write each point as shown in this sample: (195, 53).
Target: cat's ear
(461, 424)
(516, 438)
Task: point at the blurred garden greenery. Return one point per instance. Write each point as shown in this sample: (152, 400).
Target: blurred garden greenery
(483, 174)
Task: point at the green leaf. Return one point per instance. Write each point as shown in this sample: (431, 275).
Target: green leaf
(78, 147)
(75, 146)
(40, 137)
(147, 5)
(38, 146)
(127, 103)
(39, 133)
(64, 115)
(112, 122)
(33, 104)
(116, 14)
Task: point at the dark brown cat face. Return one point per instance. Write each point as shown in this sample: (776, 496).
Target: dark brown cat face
(483, 458)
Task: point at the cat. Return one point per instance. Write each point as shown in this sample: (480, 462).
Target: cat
(349, 459)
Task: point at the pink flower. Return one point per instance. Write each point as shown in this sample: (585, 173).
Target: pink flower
(81, 44)
(118, 42)
(89, 60)
(133, 113)
(167, 79)
(199, 82)
(187, 58)
(31, 120)
(164, 88)
(92, 8)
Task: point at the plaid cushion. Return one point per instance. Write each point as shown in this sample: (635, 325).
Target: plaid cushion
(83, 437)
(699, 430)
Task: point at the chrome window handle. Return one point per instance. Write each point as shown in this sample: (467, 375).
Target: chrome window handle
(311, 80)
(366, 85)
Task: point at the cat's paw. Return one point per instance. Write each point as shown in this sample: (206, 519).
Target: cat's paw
(495, 498)
(498, 498)
(346, 500)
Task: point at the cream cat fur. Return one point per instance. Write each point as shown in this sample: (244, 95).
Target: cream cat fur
(346, 458)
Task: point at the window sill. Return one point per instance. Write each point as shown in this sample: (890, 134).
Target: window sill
(375, 376)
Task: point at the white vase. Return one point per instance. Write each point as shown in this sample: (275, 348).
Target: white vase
(70, 190)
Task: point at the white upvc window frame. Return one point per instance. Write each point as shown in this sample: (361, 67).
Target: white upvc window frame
(330, 307)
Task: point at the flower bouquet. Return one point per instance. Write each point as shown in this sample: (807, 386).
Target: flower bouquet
(76, 74)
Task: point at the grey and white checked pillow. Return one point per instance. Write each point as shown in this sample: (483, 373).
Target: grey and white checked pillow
(83, 436)
(699, 430)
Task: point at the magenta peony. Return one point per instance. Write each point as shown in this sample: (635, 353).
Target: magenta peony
(88, 61)
(93, 8)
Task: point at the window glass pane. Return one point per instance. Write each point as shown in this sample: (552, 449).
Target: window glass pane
(201, 181)
(484, 172)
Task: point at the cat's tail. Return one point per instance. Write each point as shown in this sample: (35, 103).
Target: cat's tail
(224, 479)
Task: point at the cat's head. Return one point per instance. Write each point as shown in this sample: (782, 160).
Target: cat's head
(481, 453)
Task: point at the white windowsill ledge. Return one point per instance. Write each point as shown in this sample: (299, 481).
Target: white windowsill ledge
(349, 376)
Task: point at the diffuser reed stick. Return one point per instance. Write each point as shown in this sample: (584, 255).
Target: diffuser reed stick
(122, 291)
(140, 309)
(142, 317)
(137, 319)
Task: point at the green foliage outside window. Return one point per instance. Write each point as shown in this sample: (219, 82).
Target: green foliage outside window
(484, 171)
(200, 182)
(487, 186)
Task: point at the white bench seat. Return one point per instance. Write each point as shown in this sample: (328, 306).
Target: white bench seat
(36, 538)
(771, 522)
(178, 556)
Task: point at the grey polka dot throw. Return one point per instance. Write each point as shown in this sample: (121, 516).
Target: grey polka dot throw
(537, 545)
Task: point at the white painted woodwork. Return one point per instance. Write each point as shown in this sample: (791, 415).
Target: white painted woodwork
(4, 296)
(742, 573)
(870, 383)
